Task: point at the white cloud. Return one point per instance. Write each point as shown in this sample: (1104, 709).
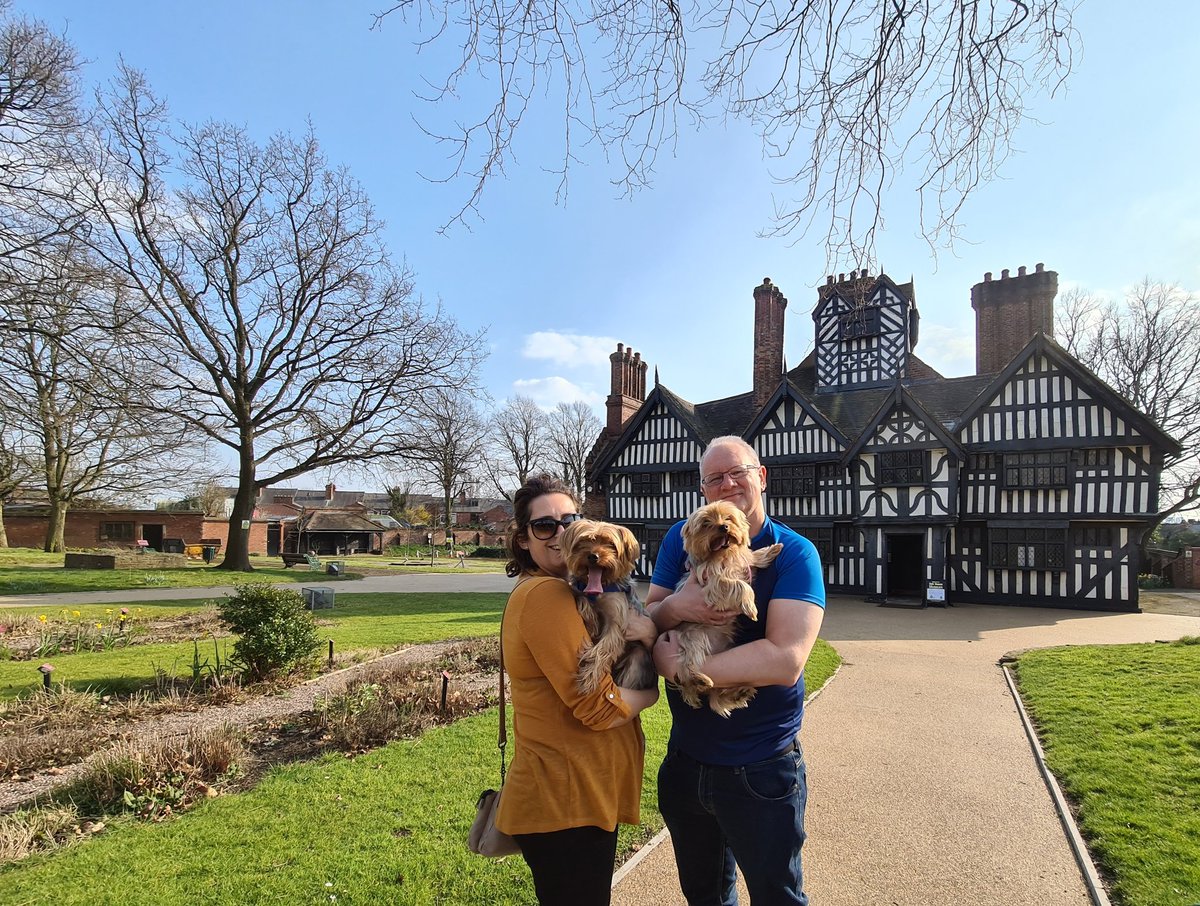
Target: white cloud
(951, 350)
(569, 350)
(548, 392)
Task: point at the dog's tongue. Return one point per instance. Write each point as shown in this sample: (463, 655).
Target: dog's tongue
(595, 586)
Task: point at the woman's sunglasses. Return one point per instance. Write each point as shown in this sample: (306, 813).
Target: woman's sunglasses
(546, 528)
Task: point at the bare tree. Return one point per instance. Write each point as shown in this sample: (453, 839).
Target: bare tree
(285, 333)
(844, 93)
(74, 389)
(40, 130)
(16, 464)
(449, 444)
(1148, 349)
(572, 429)
(516, 444)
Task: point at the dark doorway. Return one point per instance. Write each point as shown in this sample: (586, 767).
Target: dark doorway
(905, 566)
(153, 534)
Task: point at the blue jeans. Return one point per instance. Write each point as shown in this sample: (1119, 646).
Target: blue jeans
(753, 814)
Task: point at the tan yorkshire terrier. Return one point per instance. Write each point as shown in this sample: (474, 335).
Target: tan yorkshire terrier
(717, 540)
(600, 557)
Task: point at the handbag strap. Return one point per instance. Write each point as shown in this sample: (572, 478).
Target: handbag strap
(502, 737)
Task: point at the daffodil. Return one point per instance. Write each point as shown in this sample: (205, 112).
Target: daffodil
(41, 618)
(74, 613)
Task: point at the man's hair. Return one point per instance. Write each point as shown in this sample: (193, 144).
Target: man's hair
(536, 486)
(732, 440)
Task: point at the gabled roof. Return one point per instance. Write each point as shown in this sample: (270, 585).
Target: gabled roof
(899, 396)
(1043, 345)
(338, 521)
(788, 389)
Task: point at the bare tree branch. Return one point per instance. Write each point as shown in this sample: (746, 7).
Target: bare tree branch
(845, 94)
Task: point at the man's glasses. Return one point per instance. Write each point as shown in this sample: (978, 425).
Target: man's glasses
(715, 481)
(547, 527)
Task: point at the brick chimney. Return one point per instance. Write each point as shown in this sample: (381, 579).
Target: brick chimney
(1008, 312)
(769, 305)
(329, 490)
(628, 388)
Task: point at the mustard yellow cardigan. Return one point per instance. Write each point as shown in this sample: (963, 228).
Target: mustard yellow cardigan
(567, 769)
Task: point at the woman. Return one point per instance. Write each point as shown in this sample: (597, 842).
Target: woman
(577, 767)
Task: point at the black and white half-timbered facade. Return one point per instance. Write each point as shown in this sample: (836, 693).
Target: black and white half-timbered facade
(1031, 482)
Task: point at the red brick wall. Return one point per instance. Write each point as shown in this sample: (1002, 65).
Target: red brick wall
(1008, 312)
(1185, 569)
(82, 529)
(769, 307)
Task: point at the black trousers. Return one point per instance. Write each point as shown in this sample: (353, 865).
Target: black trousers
(572, 867)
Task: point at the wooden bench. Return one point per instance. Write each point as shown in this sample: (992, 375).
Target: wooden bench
(290, 560)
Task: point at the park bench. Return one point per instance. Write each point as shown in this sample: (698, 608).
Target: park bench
(290, 560)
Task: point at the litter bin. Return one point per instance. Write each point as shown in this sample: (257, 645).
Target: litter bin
(335, 567)
(210, 553)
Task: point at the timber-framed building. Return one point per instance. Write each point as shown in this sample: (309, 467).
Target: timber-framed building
(1030, 482)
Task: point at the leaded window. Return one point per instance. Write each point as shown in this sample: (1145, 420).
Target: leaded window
(792, 481)
(1096, 457)
(844, 535)
(970, 537)
(1038, 469)
(1027, 548)
(901, 467)
(1092, 536)
(982, 462)
(647, 484)
(687, 480)
(863, 321)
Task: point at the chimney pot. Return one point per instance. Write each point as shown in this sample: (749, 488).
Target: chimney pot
(1021, 271)
(1039, 267)
(1004, 274)
(829, 280)
(841, 278)
(987, 278)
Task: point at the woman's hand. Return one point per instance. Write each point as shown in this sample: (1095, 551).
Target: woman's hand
(666, 655)
(641, 628)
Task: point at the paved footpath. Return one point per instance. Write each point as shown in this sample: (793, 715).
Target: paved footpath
(923, 790)
(401, 582)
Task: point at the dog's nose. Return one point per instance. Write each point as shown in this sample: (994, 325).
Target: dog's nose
(593, 558)
(723, 528)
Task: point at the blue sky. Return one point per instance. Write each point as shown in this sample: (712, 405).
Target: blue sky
(1104, 189)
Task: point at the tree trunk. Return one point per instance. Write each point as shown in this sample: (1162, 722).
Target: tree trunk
(3, 531)
(55, 527)
(237, 548)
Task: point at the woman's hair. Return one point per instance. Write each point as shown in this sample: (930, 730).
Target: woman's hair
(534, 487)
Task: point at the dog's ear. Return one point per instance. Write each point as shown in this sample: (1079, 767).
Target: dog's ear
(632, 547)
(570, 534)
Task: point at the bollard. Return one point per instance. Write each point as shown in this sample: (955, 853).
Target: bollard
(445, 687)
(331, 654)
(45, 670)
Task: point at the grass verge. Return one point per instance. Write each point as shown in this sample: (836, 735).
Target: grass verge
(1120, 726)
(387, 826)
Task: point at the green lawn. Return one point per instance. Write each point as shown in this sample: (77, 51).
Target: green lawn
(1121, 728)
(52, 579)
(389, 826)
(357, 622)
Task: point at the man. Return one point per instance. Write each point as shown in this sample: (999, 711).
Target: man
(734, 789)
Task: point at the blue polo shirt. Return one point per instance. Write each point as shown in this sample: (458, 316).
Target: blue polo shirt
(769, 724)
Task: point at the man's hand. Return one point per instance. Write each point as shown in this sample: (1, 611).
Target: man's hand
(688, 606)
(666, 655)
(641, 628)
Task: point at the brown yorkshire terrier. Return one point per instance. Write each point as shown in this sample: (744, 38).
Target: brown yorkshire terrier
(600, 557)
(717, 540)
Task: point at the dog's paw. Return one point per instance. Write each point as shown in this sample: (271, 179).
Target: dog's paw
(703, 681)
